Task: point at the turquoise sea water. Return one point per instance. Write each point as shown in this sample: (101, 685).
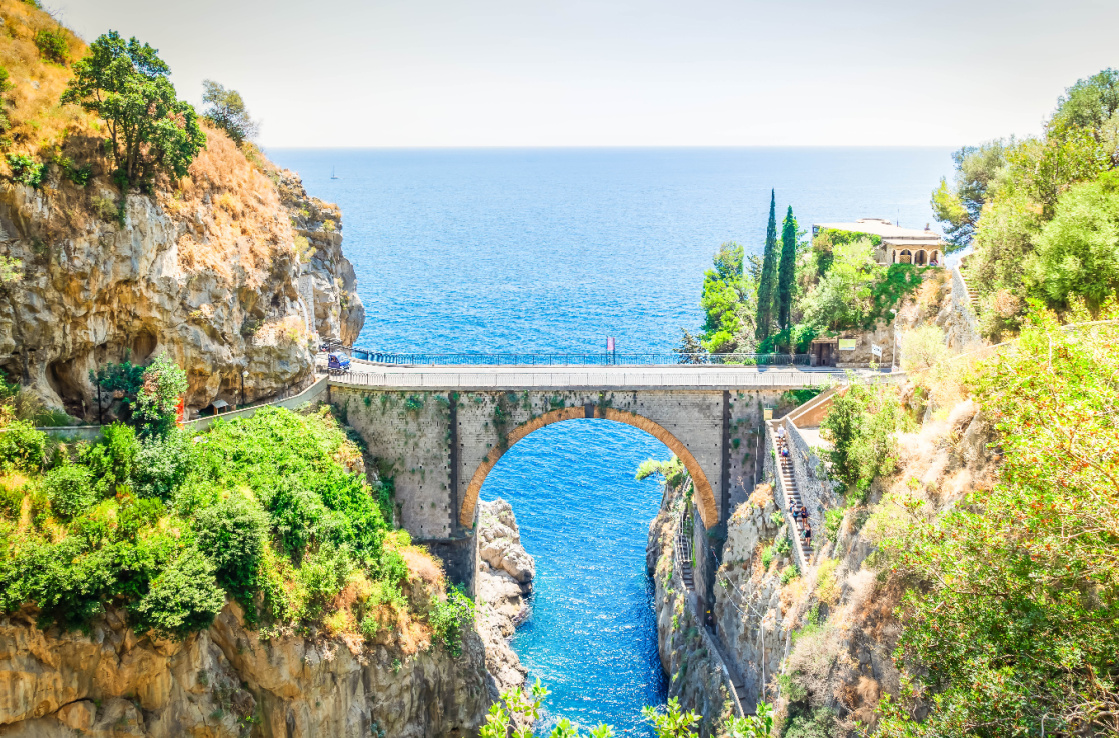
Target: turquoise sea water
(551, 250)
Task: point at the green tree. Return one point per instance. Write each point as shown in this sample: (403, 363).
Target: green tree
(231, 534)
(183, 599)
(786, 274)
(767, 283)
(226, 110)
(979, 169)
(1076, 251)
(725, 302)
(158, 399)
(1011, 616)
(860, 427)
(127, 85)
(844, 296)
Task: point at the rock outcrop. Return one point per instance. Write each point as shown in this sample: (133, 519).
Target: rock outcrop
(694, 674)
(505, 573)
(228, 681)
(208, 269)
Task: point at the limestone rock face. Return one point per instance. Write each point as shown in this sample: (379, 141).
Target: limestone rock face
(505, 573)
(208, 271)
(226, 681)
(328, 275)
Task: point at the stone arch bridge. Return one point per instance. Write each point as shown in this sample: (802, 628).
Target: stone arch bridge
(442, 429)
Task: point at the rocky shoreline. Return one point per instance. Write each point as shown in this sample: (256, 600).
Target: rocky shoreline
(504, 584)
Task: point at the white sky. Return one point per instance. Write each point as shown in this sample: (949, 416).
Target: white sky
(624, 73)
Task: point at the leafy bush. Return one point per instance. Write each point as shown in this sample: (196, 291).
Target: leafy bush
(321, 578)
(69, 489)
(232, 535)
(448, 618)
(161, 465)
(1011, 618)
(67, 580)
(22, 447)
(52, 45)
(158, 398)
(26, 170)
(861, 426)
(817, 723)
(783, 545)
(789, 573)
(111, 461)
(183, 599)
(923, 347)
(767, 556)
(833, 520)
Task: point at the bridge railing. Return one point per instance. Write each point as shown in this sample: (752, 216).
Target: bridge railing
(578, 359)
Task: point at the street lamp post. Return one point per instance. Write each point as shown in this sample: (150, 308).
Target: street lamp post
(244, 376)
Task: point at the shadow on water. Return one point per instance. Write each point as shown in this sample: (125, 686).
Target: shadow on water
(591, 637)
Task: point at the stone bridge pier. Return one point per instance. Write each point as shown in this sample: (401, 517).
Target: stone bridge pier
(439, 444)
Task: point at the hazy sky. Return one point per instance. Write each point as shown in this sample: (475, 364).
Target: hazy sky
(638, 72)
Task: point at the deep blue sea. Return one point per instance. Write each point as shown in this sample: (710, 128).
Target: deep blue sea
(553, 250)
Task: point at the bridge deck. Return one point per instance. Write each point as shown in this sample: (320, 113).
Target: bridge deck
(575, 377)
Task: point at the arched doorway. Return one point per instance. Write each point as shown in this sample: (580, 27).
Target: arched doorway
(920, 260)
(906, 257)
(705, 496)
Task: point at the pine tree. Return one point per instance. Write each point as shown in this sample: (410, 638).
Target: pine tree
(768, 281)
(786, 275)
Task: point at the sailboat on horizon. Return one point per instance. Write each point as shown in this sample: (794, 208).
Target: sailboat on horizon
(332, 176)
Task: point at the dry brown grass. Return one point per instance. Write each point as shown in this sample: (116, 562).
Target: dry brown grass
(762, 495)
(237, 225)
(38, 120)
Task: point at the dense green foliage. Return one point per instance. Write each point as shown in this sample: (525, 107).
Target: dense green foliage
(767, 281)
(127, 85)
(26, 170)
(450, 617)
(267, 510)
(52, 45)
(728, 324)
(158, 398)
(1041, 212)
(1013, 612)
(226, 110)
(860, 427)
(672, 470)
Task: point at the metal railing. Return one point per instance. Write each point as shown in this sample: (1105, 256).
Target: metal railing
(576, 359)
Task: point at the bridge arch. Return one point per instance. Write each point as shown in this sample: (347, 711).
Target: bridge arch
(704, 495)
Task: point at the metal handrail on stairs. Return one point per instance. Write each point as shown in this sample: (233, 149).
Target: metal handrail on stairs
(682, 545)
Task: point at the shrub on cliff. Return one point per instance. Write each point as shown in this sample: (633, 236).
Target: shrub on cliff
(184, 598)
(22, 447)
(1011, 619)
(69, 489)
(232, 533)
(127, 85)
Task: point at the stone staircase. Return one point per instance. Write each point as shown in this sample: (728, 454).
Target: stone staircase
(683, 551)
(683, 554)
(792, 495)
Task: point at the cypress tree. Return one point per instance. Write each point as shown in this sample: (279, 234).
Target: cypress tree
(767, 280)
(786, 274)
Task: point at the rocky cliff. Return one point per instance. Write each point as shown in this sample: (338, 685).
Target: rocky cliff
(505, 573)
(228, 681)
(694, 673)
(232, 269)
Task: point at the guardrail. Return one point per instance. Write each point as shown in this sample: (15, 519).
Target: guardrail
(576, 359)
